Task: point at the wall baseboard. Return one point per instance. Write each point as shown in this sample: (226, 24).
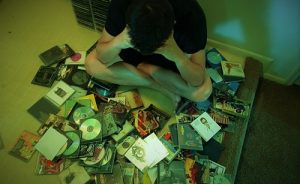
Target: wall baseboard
(275, 78)
(241, 54)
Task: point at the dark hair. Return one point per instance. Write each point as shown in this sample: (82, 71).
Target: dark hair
(150, 23)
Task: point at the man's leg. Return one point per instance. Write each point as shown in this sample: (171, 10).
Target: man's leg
(122, 73)
(174, 82)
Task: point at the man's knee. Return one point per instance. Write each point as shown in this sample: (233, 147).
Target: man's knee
(94, 67)
(88, 67)
(202, 94)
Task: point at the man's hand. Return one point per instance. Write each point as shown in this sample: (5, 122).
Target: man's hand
(109, 47)
(123, 40)
(170, 49)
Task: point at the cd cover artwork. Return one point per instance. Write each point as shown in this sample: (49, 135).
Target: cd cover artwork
(48, 167)
(185, 118)
(172, 173)
(234, 107)
(59, 93)
(149, 120)
(141, 154)
(86, 149)
(117, 111)
(188, 138)
(98, 156)
(205, 126)
(54, 121)
(77, 58)
(133, 98)
(24, 147)
(56, 54)
(45, 76)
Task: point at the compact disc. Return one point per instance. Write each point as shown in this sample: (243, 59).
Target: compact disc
(82, 113)
(75, 144)
(123, 147)
(107, 157)
(62, 149)
(214, 57)
(76, 57)
(90, 128)
(80, 77)
(100, 153)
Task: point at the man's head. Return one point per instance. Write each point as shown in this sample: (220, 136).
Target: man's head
(150, 23)
(203, 120)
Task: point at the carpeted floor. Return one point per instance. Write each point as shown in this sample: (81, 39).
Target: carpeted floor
(271, 148)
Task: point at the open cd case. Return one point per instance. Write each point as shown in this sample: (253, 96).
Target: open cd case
(73, 149)
(104, 162)
(74, 75)
(51, 102)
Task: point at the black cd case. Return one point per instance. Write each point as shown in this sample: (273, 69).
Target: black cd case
(56, 54)
(45, 76)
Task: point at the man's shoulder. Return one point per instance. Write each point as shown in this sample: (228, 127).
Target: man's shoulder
(184, 5)
(120, 4)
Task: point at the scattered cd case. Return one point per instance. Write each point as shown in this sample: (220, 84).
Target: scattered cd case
(149, 120)
(87, 149)
(56, 54)
(72, 151)
(24, 146)
(45, 76)
(48, 167)
(56, 121)
(75, 76)
(106, 165)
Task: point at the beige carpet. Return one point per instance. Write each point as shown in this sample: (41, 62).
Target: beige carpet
(271, 152)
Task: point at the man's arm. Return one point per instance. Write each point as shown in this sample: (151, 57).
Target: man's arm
(192, 69)
(109, 47)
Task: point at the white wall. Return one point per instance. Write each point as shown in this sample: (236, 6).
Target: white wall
(267, 27)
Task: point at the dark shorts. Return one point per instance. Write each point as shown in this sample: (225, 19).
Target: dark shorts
(134, 58)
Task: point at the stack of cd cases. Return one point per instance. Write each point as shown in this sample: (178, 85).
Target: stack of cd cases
(91, 13)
